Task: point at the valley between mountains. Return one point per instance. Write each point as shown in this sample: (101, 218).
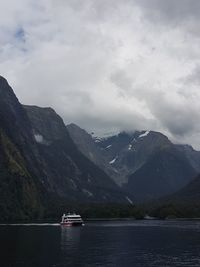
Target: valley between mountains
(46, 166)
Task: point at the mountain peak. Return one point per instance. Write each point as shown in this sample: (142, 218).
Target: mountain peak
(3, 79)
(73, 125)
(46, 110)
(46, 122)
(4, 86)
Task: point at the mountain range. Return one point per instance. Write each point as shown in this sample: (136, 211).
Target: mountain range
(39, 161)
(146, 164)
(44, 162)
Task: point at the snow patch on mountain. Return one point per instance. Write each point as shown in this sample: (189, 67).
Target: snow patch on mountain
(113, 161)
(129, 200)
(73, 184)
(130, 147)
(39, 138)
(97, 140)
(144, 134)
(87, 192)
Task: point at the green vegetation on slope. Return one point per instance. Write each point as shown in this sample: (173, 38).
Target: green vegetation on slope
(18, 193)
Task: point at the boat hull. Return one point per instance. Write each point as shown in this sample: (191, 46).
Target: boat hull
(71, 224)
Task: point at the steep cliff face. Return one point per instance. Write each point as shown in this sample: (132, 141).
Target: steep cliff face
(68, 172)
(19, 191)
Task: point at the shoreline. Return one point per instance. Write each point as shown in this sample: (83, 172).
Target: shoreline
(53, 223)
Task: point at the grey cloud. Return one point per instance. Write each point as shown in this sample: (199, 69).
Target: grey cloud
(122, 81)
(177, 114)
(111, 121)
(176, 10)
(178, 120)
(107, 65)
(194, 76)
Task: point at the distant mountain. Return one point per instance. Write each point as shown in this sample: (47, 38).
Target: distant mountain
(188, 195)
(39, 161)
(127, 152)
(164, 173)
(146, 164)
(185, 203)
(119, 155)
(192, 155)
(86, 144)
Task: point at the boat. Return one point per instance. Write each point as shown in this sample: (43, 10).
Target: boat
(71, 220)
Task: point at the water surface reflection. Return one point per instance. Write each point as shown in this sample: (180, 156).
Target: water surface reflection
(70, 244)
(146, 244)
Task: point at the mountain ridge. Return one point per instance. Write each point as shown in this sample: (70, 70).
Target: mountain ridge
(129, 154)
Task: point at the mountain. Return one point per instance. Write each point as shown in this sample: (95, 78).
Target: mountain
(39, 162)
(164, 173)
(119, 155)
(44, 163)
(185, 203)
(192, 155)
(19, 190)
(68, 172)
(85, 143)
(188, 195)
(146, 163)
(127, 152)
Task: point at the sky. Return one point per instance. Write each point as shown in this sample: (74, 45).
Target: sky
(107, 65)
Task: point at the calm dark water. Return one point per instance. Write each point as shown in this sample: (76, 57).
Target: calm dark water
(135, 243)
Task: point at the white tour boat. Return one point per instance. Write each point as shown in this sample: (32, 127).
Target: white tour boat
(71, 220)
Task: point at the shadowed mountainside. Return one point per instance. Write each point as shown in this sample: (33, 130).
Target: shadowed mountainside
(39, 161)
(146, 164)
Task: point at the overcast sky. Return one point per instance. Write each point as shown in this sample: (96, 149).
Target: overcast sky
(107, 65)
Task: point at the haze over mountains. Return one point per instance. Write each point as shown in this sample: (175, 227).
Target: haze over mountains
(42, 160)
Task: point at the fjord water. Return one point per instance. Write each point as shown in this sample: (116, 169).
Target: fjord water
(119, 243)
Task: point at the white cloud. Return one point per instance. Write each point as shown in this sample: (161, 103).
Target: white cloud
(107, 65)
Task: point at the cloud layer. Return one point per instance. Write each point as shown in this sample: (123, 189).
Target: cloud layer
(107, 65)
